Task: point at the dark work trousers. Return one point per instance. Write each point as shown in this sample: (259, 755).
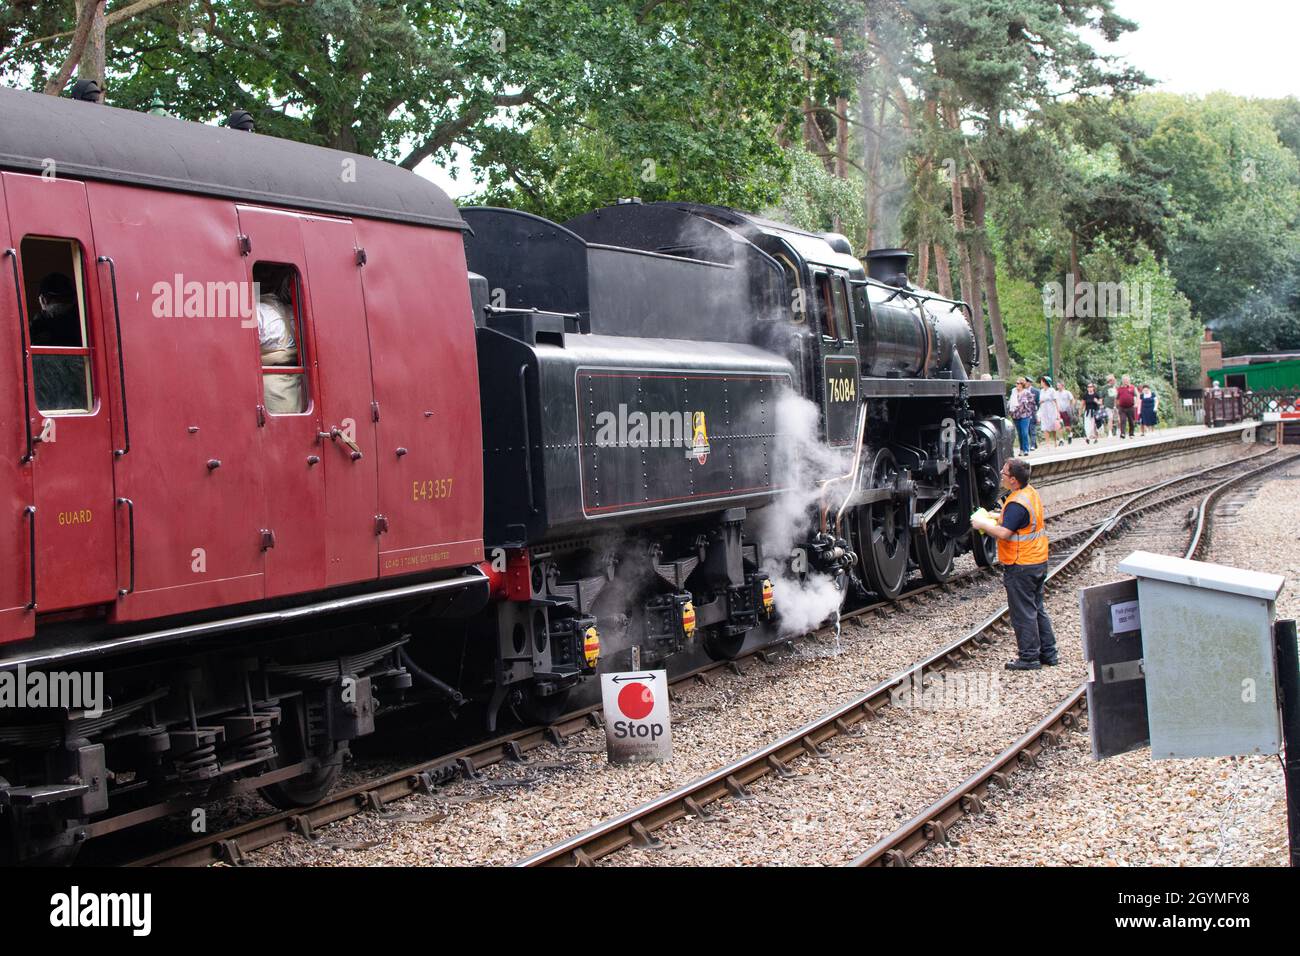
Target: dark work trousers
(1126, 416)
(1034, 634)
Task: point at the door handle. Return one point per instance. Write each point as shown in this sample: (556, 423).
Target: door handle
(130, 523)
(337, 434)
(24, 358)
(30, 512)
(121, 362)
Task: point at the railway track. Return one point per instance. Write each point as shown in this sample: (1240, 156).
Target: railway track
(232, 845)
(636, 827)
(932, 824)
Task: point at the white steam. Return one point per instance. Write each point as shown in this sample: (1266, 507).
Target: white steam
(803, 461)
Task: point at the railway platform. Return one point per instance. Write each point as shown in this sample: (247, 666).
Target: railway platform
(1078, 469)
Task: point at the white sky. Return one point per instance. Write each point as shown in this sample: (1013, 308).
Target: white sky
(1247, 47)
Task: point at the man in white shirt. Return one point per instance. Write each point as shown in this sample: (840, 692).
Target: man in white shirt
(281, 394)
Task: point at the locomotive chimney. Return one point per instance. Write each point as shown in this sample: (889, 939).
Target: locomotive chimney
(888, 265)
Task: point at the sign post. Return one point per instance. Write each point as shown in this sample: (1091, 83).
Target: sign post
(1288, 670)
(637, 724)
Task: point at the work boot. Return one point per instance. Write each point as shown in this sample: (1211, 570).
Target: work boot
(1019, 665)
(1049, 661)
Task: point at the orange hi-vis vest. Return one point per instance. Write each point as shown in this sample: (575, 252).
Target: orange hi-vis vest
(1029, 544)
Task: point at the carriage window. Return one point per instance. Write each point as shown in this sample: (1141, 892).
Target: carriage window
(279, 333)
(54, 289)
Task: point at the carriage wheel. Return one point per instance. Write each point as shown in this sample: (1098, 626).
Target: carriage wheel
(305, 790)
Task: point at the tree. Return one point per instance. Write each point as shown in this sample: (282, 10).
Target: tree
(1235, 190)
(696, 89)
(979, 71)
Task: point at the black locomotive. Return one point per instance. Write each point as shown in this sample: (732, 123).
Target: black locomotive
(632, 365)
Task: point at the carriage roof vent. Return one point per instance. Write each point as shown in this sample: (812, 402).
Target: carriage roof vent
(888, 265)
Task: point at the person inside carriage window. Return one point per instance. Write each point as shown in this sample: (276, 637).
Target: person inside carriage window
(56, 322)
(277, 335)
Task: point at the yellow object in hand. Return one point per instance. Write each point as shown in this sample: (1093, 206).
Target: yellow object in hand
(982, 514)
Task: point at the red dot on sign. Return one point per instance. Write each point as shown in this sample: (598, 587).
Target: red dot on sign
(636, 701)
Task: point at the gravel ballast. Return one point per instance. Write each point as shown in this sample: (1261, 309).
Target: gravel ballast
(1130, 810)
(836, 808)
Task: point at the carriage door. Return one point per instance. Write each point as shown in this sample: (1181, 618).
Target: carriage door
(346, 400)
(67, 393)
(17, 619)
(282, 351)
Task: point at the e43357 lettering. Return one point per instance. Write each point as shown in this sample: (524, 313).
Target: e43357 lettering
(431, 489)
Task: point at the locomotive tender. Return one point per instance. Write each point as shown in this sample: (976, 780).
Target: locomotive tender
(484, 457)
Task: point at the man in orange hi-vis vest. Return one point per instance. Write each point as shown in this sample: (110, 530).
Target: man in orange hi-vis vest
(1022, 552)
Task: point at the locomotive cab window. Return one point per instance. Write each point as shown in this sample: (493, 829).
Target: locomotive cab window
(833, 301)
(861, 308)
(843, 318)
(798, 302)
(279, 335)
(55, 292)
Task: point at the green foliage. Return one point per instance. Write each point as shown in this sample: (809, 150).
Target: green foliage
(1235, 186)
(563, 105)
(1197, 198)
(1118, 344)
(559, 103)
(818, 201)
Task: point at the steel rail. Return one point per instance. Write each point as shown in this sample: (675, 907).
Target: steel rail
(230, 846)
(636, 826)
(967, 798)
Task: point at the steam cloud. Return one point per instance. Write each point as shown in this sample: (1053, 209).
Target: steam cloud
(802, 462)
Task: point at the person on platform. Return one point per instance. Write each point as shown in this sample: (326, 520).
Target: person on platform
(1022, 552)
(1150, 405)
(1126, 405)
(1108, 404)
(1093, 415)
(1023, 407)
(1049, 411)
(1065, 402)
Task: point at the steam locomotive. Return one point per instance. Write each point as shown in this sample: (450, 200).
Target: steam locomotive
(287, 439)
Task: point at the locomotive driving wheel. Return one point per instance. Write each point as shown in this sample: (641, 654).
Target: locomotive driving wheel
(885, 550)
(936, 552)
(985, 549)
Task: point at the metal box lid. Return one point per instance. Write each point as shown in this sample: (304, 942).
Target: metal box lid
(1200, 574)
